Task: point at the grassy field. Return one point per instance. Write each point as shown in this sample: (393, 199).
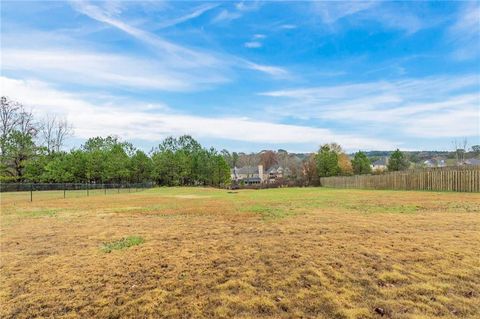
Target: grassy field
(206, 253)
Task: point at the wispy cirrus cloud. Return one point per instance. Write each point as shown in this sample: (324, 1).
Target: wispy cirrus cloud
(390, 15)
(465, 32)
(92, 68)
(178, 55)
(288, 26)
(256, 41)
(181, 53)
(227, 15)
(134, 121)
(195, 13)
(271, 70)
(253, 44)
(331, 12)
(432, 107)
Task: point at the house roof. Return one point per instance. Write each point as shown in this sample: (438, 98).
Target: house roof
(472, 161)
(246, 170)
(380, 162)
(275, 169)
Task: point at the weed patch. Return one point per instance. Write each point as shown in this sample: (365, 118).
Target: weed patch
(39, 213)
(269, 212)
(122, 243)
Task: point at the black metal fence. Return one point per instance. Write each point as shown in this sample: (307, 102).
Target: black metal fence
(33, 191)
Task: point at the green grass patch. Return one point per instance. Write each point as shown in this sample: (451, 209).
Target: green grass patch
(269, 212)
(123, 243)
(381, 208)
(39, 213)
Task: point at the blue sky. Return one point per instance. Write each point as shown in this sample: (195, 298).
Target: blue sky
(248, 76)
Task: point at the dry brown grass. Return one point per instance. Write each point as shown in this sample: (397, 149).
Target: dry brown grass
(284, 253)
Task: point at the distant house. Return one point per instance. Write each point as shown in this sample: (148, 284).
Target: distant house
(256, 175)
(380, 164)
(429, 163)
(472, 161)
(247, 174)
(435, 162)
(275, 173)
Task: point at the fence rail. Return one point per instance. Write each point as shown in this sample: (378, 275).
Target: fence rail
(33, 191)
(456, 179)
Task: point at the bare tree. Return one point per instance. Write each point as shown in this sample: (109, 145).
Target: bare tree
(26, 124)
(9, 118)
(460, 147)
(54, 132)
(268, 159)
(14, 117)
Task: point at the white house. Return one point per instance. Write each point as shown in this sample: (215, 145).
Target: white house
(380, 164)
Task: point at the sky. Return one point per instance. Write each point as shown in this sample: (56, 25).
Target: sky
(248, 76)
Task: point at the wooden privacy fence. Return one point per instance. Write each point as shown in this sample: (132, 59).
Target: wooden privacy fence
(456, 179)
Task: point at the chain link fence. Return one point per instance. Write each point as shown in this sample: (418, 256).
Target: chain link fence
(38, 191)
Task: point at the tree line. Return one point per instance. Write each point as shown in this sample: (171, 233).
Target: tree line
(332, 161)
(31, 151)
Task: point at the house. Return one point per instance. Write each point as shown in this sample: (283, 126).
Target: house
(275, 173)
(380, 164)
(472, 161)
(434, 162)
(247, 174)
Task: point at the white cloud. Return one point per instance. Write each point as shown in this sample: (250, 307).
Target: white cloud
(106, 70)
(389, 14)
(183, 56)
(465, 32)
(225, 16)
(137, 122)
(272, 70)
(330, 12)
(192, 15)
(288, 26)
(177, 55)
(243, 6)
(430, 107)
(253, 44)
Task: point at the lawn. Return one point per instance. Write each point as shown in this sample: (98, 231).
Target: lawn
(207, 253)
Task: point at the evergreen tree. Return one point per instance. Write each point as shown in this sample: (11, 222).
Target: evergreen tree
(361, 164)
(327, 161)
(397, 161)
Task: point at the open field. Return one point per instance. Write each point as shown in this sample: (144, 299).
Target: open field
(278, 253)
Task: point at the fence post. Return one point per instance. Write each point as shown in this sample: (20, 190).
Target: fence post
(87, 190)
(105, 188)
(31, 192)
(64, 189)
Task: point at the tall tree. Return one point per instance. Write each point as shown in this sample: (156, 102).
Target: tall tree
(18, 149)
(397, 161)
(476, 150)
(345, 164)
(54, 131)
(361, 164)
(310, 170)
(268, 159)
(140, 167)
(327, 161)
